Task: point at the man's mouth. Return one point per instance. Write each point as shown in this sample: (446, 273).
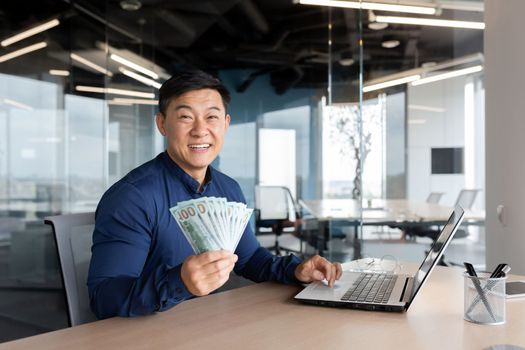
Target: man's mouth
(200, 146)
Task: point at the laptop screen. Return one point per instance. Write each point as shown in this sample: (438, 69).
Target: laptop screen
(437, 249)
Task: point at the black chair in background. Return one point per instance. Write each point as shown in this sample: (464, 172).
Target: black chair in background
(276, 213)
(411, 231)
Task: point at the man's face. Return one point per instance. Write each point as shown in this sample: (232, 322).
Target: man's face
(194, 125)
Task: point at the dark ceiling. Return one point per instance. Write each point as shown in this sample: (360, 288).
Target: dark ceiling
(276, 37)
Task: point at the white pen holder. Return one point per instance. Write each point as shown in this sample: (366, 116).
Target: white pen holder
(484, 299)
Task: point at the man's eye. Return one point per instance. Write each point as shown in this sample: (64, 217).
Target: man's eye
(185, 117)
(213, 117)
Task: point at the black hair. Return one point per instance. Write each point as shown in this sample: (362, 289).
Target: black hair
(190, 80)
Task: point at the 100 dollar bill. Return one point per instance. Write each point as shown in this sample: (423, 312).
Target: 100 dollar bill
(211, 223)
(193, 228)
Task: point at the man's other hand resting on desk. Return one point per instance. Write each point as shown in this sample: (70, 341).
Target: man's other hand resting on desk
(318, 268)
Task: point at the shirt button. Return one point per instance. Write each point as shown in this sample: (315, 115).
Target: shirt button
(178, 290)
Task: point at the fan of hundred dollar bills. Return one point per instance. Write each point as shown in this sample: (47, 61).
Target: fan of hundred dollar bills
(211, 223)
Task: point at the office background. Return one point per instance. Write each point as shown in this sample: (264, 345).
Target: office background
(306, 114)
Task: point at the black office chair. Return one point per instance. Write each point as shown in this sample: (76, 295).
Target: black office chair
(276, 213)
(413, 231)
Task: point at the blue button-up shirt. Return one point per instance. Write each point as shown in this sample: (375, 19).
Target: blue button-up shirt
(138, 248)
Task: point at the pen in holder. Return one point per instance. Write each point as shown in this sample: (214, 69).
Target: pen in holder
(484, 299)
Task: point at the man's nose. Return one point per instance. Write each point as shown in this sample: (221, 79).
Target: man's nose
(200, 128)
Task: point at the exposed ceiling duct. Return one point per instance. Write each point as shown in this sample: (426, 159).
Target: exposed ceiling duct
(256, 17)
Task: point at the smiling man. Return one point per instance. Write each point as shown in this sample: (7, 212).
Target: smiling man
(194, 125)
(141, 262)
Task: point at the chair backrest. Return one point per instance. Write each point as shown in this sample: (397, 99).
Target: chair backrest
(73, 236)
(274, 203)
(434, 197)
(466, 198)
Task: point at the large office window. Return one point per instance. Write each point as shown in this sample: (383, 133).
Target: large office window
(353, 160)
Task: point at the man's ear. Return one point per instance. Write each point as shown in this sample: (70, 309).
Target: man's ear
(228, 119)
(160, 120)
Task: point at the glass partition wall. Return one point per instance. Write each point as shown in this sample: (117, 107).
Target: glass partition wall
(314, 108)
(423, 130)
(71, 124)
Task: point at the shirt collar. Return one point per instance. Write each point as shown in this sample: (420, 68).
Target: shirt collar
(190, 183)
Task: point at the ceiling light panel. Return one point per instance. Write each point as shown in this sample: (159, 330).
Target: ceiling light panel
(391, 83)
(142, 79)
(90, 64)
(136, 101)
(377, 25)
(448, 75)
(424, 10)
(30, 32)
(23, 51)
(59, 72)
(101, 90)
(134, 66)
(430, 22)
(390, 44)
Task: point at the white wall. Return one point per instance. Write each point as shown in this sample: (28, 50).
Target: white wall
(277, 158)
(505, 132)
(435, 117)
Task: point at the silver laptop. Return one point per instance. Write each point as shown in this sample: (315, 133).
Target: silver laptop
(383, 292)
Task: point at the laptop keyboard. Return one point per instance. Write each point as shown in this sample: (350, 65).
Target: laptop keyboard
(371, 288)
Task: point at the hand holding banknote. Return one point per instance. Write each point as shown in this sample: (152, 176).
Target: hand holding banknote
(204, 273)
(213, 227)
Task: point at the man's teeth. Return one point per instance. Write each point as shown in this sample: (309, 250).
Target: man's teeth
(204, 145)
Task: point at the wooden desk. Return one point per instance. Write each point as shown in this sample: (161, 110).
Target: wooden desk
(265, 316)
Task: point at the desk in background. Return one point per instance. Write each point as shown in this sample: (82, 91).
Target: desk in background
(265, 316)
(382, 212)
